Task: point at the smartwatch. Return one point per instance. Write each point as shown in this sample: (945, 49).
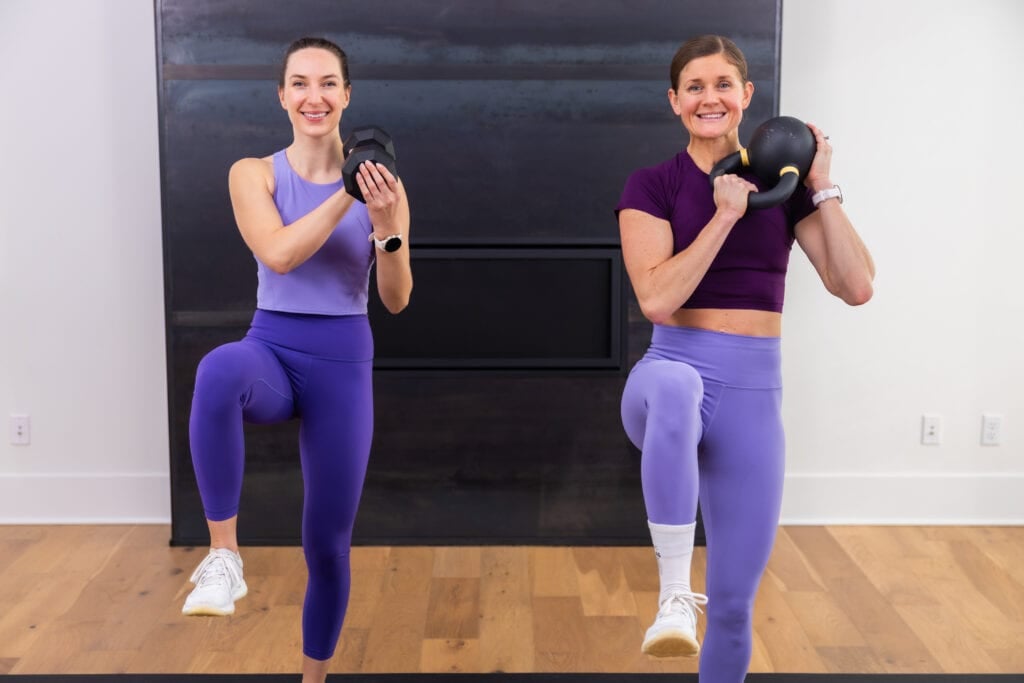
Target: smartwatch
(829, 193)
(388, 244)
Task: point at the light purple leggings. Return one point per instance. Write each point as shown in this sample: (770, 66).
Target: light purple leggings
(318, 369)
(705, 409)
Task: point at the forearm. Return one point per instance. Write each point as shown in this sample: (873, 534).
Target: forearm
(665, 288)
(290, 246)
(394, 271)
(850, 269)
(394, 279)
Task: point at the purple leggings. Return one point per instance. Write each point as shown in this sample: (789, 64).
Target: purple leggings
(319, 369)
(705, 409)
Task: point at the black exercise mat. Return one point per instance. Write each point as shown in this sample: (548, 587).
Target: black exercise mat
(513, 678)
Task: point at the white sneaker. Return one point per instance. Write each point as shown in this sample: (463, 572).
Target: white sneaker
(219, 582)
(674, 632)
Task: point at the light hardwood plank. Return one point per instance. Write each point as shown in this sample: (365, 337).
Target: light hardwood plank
(106, 599)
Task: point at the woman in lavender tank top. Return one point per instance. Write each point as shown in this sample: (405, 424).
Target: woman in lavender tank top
(704, 404)
(309, 350)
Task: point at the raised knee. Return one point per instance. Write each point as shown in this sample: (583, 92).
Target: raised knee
(220, 372)
(675, 385)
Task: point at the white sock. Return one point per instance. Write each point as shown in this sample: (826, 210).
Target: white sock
(673, 546)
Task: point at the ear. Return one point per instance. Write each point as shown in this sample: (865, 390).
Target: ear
(673, 99)
(347, 97)
(280, 96)
(748, 92)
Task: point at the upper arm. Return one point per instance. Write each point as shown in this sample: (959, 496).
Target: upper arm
(257, 217)
(646, 243)
(811, 238)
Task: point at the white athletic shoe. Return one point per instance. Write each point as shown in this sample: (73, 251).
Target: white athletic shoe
(219, 582)
(674, 632)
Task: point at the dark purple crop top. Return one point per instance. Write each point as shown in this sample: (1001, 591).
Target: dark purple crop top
(750, 269)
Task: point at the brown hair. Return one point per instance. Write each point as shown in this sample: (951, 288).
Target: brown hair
(321, 43)
(705, 46)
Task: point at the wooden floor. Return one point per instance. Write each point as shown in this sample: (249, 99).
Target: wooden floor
(107, 599)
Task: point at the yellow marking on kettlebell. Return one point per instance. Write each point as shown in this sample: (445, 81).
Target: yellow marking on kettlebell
(789, 169)
(743, 156)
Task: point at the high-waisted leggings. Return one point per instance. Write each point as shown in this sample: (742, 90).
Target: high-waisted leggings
(704, 407)
(319, 369)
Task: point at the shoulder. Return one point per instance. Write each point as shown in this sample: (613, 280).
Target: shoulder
(254, 166)
(665, 174)
(253, 171)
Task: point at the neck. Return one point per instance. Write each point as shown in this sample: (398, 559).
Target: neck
(707, 152)
(320, 157)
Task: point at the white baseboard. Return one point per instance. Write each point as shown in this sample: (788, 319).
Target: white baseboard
(904, 498)
(810, 499)
(85, 498)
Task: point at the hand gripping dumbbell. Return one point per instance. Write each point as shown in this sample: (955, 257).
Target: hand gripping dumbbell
(366, 144)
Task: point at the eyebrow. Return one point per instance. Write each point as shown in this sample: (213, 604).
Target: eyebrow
(307, 77)
(723, 77)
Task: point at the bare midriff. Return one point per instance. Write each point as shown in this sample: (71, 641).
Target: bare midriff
(746, 322)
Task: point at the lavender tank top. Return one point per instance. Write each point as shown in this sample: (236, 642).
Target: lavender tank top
(336, 279)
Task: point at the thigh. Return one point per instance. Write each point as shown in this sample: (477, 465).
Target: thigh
(742, 465)
(661, 394)
(249, 374)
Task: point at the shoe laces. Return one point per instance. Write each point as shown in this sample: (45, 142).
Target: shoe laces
(216, 569)
(683, 603)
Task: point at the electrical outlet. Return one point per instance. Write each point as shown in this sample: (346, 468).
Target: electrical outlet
(21, 429)
(991, 429)
(931, 430)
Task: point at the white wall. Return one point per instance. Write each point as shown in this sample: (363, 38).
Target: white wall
(920, 99)
(81, 276)
(923, 103)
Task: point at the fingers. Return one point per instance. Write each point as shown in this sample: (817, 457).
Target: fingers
(822, 162)
(729, 181)
(376, 182)
(732, 191)
(820, 138)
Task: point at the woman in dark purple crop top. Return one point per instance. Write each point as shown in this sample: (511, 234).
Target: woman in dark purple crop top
(309, 350)
(704, 403)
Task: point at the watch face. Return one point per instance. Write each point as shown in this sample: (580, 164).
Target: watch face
(392, 244)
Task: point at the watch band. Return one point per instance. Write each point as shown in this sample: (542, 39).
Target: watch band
(827, 193)
(388, 244)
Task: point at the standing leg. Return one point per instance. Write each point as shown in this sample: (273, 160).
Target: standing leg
(337, 428)
(661, 413)
(236, 382)
(742, 469)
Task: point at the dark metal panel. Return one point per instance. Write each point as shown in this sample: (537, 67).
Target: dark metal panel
(489, 162)
(516, 126)
(464, 31)
(508, 308)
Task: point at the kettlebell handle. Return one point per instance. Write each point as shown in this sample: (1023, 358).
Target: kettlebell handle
(780, 152)
(789, 178)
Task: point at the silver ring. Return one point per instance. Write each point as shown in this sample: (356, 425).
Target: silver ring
(826, 137)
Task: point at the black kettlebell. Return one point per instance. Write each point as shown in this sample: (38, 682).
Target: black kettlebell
(781, 151)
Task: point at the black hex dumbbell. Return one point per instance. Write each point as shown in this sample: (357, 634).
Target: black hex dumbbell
(366, 144)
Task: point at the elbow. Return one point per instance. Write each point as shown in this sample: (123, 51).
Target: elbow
(655, 311)
(859, 295)
(396, 302)
(279, 263)
(396, 307)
